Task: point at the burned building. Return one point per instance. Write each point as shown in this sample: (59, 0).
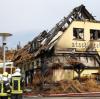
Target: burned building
(73, 43)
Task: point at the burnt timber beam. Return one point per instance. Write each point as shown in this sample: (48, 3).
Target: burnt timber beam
(83, 54)
(86, 67)
(71, 68)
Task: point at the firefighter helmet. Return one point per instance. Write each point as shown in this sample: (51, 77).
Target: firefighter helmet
(17, 70)
(5, 74)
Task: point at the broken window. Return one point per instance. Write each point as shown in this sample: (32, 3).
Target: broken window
(78, 33)
(34, 45)
(94, 34)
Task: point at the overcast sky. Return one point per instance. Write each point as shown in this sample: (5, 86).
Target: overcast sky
(27, 18)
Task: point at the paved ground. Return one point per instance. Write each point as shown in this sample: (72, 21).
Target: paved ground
(62, 98)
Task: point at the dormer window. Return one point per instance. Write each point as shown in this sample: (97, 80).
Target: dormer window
(94, 34)
(78, 33)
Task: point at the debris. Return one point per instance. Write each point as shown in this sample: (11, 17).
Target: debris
(73, 86)
(91, 86)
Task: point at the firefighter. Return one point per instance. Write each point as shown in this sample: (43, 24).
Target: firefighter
(16, 85)
(5, 86)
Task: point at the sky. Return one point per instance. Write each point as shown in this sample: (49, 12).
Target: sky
(25, 19)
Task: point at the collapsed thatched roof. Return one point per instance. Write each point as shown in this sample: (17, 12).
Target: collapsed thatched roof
(9, 54)
(23, 54)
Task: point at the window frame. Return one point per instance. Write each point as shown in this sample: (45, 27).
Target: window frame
(78, 34)
(97, 38)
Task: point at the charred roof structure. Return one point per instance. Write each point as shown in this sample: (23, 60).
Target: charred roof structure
(78, 13)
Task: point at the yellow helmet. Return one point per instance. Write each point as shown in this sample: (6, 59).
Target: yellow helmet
(5, 74)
